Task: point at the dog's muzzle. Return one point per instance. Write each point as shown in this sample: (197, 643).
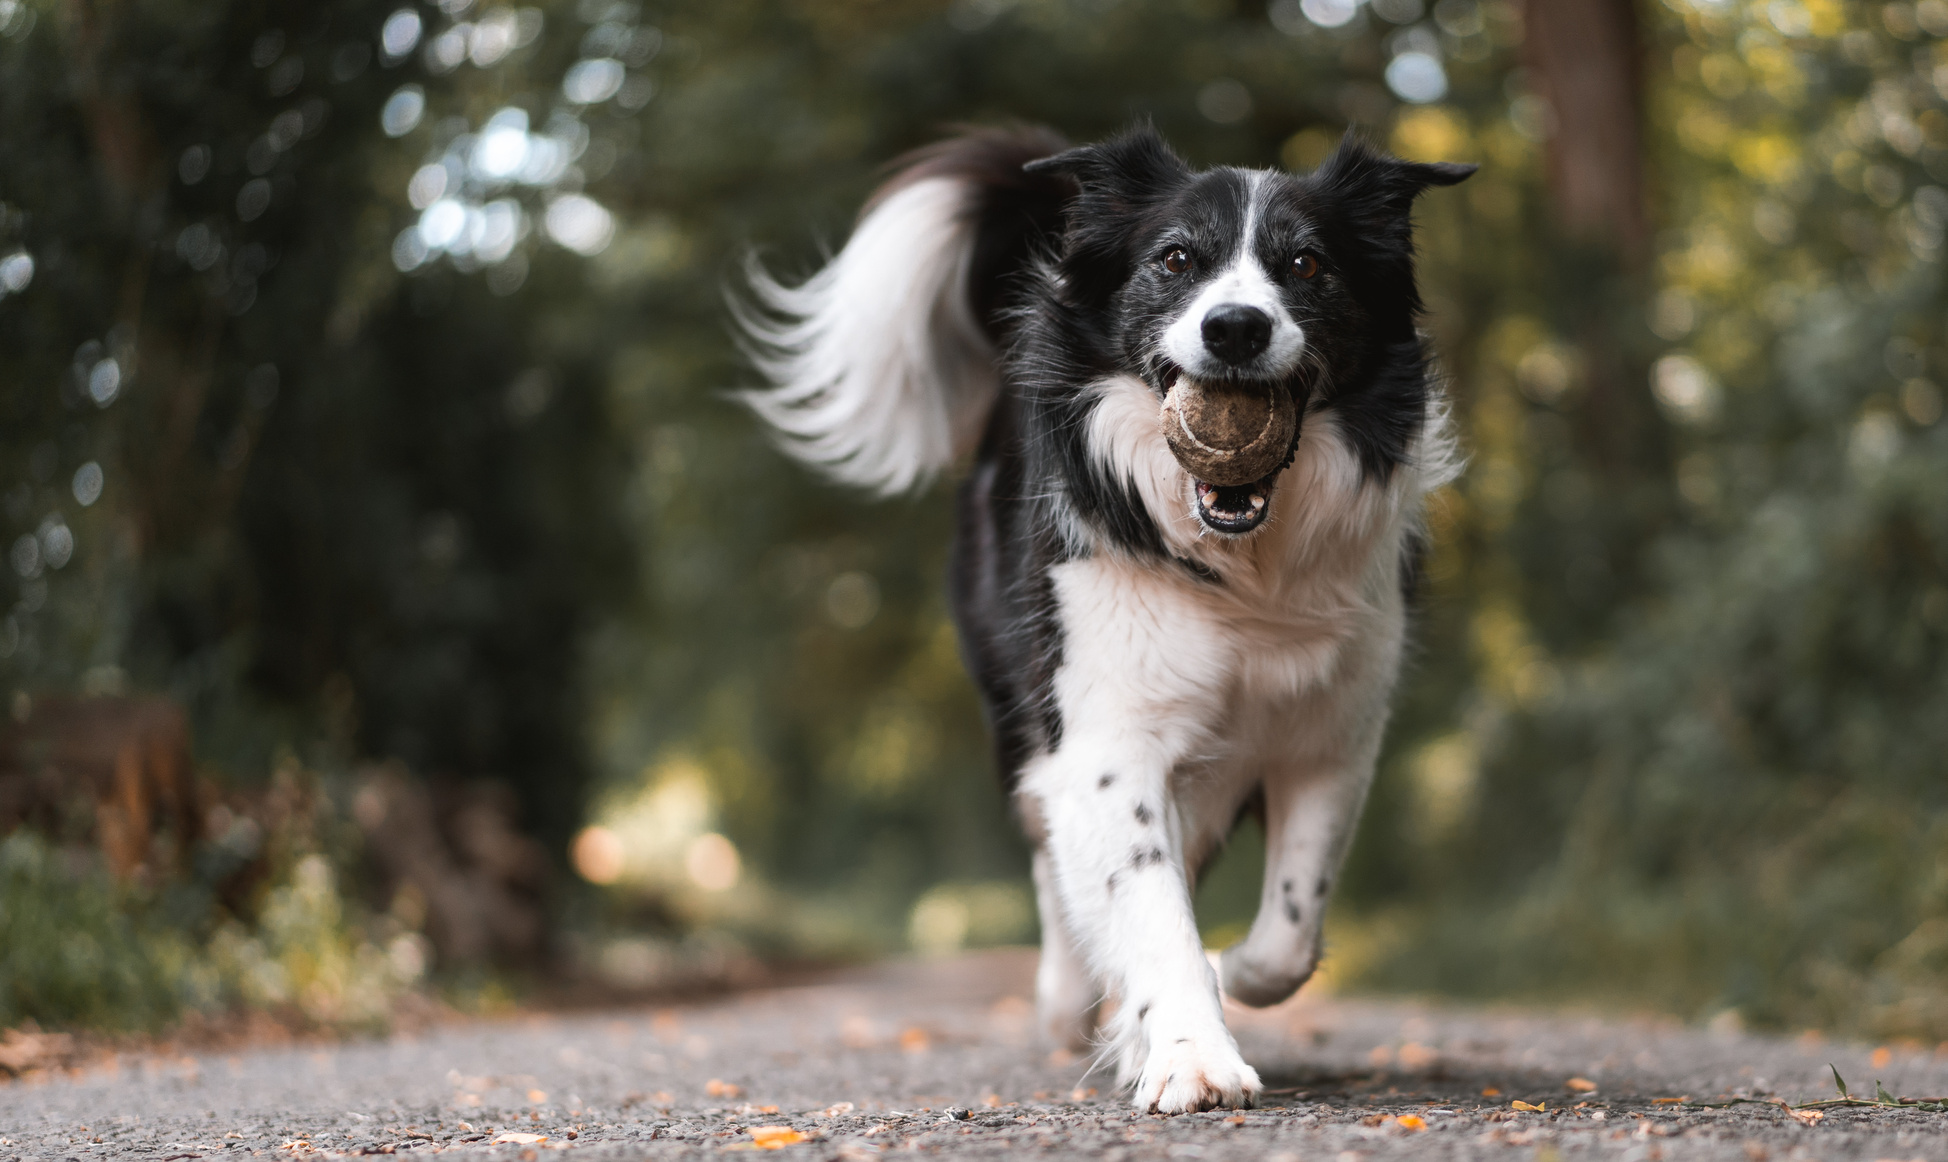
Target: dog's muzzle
(1233, 439)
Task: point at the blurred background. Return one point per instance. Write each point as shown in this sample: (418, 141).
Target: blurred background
(397, 610)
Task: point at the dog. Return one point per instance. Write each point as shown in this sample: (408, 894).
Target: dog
(1201, 422)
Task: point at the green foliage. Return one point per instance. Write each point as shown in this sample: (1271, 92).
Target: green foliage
(1733, 798)
(72, 950)
(78, 949)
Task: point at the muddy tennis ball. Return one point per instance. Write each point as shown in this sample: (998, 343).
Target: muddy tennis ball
(1228, 435)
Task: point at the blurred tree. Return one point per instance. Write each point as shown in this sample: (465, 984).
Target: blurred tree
(258, 469)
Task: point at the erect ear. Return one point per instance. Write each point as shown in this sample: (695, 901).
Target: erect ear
(1115, 181)
(1123, 172)
(1377, 186)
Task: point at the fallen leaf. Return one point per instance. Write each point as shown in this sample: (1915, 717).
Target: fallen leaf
(1581, 1084)
(516, 1138)
(914, 1039)
(1881, 1057)
(1669, 1101)
(1237, 1121)
(1414, 1055)
(775, 1137)
(1491, 1091)
(1806, 1117)
(1412, 1122)
(537, 1096)
(833, 1111)
(1081, 1094)
(992, 1101)
(1522, 1105)
(717, 1087)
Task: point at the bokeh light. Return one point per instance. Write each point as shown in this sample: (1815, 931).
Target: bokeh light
(87, 484)
(16, 272)
(598, 855)
(580, 223)
(402, 111)
(400, 33)
(1417, 76)
(712, 862)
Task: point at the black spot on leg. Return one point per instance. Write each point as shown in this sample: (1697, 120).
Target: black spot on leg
(1143, 857)
(1103, 783)
(1142, 1013)
(1287, 887)
(1291, 911)
(1142, 814)
(1111, 885)
(1319, 889)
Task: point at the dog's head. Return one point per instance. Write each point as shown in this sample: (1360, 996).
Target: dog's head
(1240, 295)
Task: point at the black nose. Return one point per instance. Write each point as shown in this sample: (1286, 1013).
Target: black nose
(1237, 334)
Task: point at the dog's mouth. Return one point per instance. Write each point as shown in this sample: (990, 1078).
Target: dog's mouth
(1234, 509)
(1232, 439)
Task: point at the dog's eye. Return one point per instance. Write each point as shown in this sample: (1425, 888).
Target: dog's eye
(1175, 260)
(1305, 266)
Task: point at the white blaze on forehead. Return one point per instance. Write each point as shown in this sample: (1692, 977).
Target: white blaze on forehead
(1243, 282)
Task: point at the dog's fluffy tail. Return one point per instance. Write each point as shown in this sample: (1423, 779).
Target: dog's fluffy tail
(883, 364)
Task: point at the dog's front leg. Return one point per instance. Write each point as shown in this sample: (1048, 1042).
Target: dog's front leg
(1140, 687)
(1312, 807)
(1310, 818)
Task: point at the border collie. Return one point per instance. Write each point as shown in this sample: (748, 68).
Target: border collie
(1202, 423)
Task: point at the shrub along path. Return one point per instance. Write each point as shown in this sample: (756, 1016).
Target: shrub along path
(941, 1057)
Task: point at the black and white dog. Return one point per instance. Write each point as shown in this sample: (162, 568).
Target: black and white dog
(1160, 651)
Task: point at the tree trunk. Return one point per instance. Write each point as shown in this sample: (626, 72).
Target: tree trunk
(1587, 64)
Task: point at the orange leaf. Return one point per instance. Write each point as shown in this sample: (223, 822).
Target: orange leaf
(914, 1040)
(775, 1137)
(1522, 1105)
(717, 1087)
(1491, 1091)
(1581, 1084)
(1806, 1117)
(1412, 1122)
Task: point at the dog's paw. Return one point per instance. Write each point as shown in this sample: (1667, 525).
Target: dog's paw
(1191, 1075)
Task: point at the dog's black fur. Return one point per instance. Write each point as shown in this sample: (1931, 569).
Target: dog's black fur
(1072, 304)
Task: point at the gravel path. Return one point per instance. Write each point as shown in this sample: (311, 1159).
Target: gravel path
(941, 1057)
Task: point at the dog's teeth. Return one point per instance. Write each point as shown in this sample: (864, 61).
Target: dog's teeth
(1257, 502)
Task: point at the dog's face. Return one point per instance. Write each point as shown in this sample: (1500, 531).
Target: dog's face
(1256, 290)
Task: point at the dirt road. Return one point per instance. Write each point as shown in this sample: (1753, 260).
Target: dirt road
(941, 1057)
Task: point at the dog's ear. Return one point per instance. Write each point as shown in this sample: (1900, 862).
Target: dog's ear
(1120, 173)
(1373, 194)
(1378, 189)
(1116, 181)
